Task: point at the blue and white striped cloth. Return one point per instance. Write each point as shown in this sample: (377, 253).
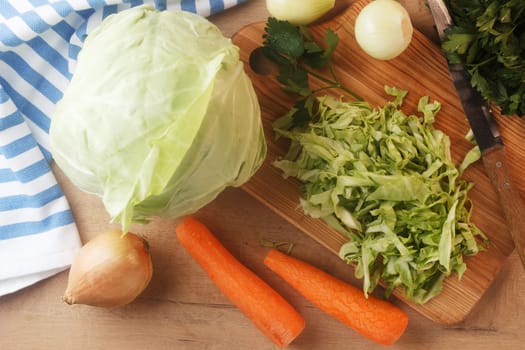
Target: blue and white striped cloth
(39, 43)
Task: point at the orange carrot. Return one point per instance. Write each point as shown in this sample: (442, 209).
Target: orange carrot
(266, 308)
(371, 317)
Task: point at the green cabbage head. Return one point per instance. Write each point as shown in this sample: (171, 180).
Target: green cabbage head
(159, 116)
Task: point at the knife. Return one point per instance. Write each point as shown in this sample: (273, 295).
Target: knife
(487, 137)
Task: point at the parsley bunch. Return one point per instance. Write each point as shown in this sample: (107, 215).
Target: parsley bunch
(299, 56)
(489, 38)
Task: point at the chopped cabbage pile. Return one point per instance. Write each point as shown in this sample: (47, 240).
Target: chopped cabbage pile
(387, 181)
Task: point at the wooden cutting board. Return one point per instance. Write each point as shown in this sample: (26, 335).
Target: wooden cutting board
(421, 70)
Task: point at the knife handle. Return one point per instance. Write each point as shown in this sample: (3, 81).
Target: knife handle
(509, 196)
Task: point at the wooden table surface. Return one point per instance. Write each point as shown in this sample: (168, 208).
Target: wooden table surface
(182, 309)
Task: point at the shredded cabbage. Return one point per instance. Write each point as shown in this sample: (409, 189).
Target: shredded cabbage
(159, 116)
(387, 181)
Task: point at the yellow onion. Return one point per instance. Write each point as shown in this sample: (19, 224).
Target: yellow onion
(299, 12)
(110, 270)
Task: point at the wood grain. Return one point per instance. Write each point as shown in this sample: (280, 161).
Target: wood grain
(182, 310)
(421, 70)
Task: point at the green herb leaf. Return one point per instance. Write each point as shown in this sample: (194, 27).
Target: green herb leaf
(302, 114)
(489, 37)
(322, 57)
(298, 56)
(294, 79)
(284, 38)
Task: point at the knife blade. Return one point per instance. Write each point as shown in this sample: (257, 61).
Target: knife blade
(487, 136)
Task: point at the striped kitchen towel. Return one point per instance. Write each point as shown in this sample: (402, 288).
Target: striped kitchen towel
(39, 43)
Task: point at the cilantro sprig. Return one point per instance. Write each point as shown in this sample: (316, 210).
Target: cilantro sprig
(489, 38)
(298, 56)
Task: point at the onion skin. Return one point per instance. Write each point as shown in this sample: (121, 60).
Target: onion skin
(110, 270)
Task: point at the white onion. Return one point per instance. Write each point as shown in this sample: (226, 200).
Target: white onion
(299, 12)
(383, 29)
